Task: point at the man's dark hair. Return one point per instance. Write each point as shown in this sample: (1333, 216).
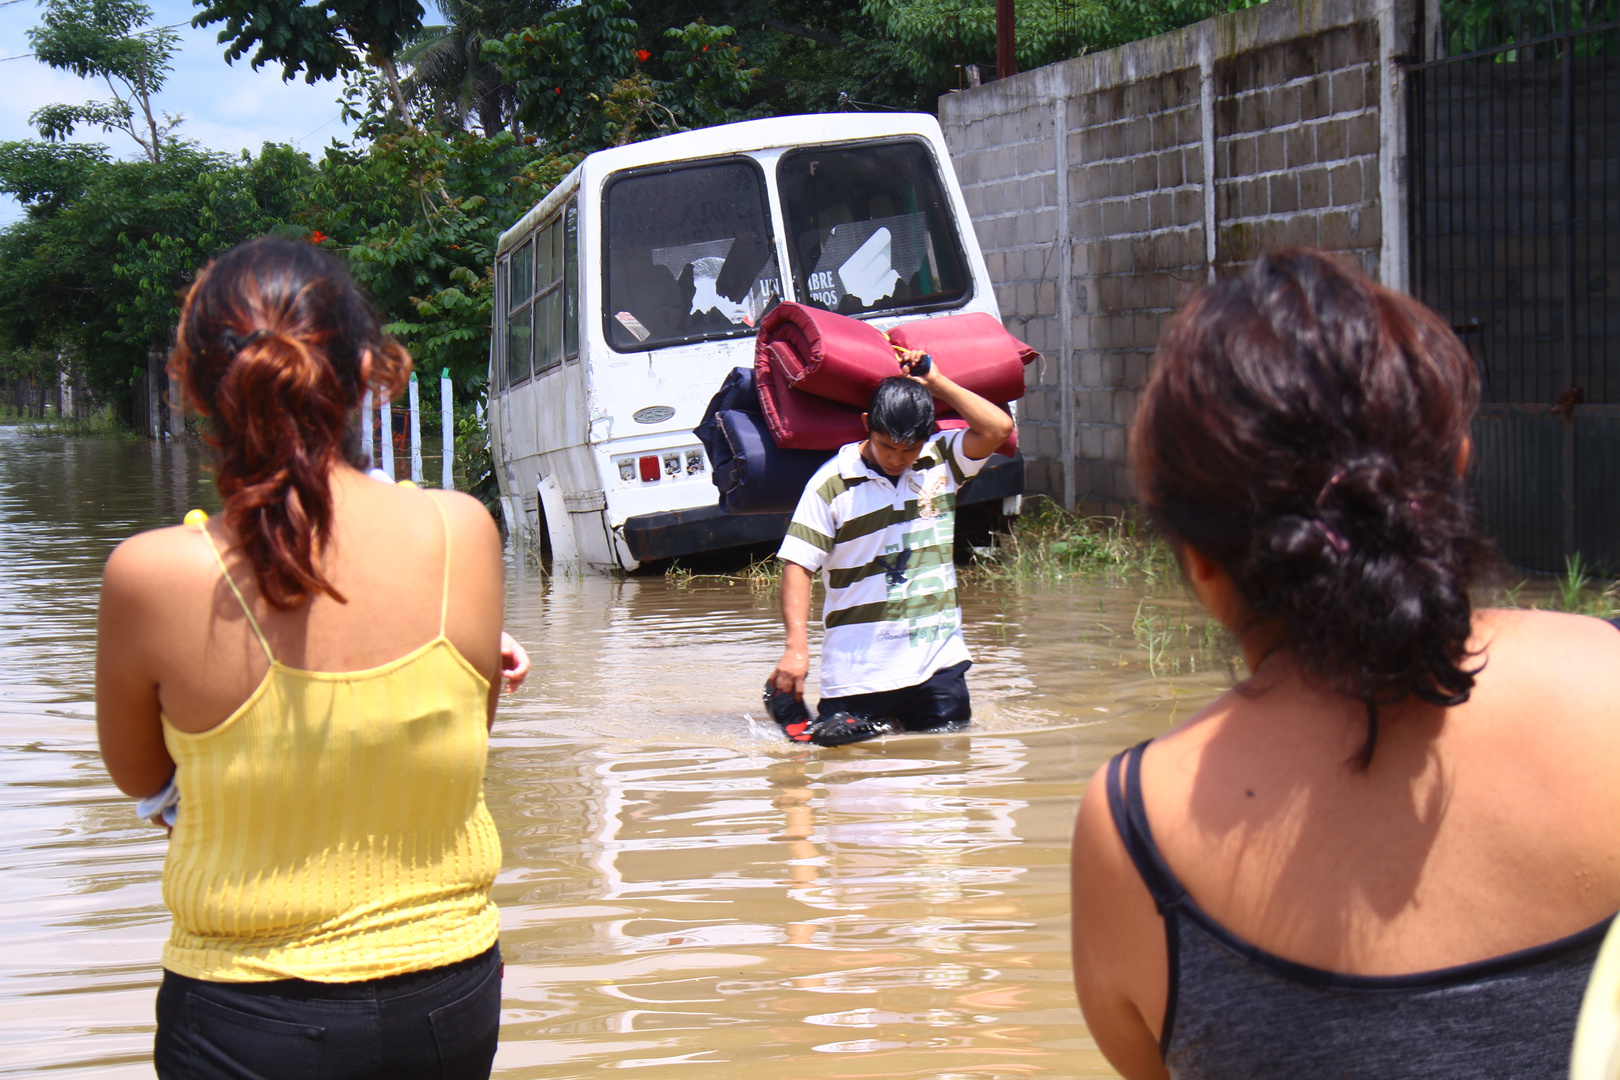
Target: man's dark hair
(902, 409)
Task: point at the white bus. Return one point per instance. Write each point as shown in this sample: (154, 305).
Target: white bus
(625, 297)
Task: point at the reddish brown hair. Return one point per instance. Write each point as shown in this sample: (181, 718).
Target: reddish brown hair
(269, 348)
(1303, 427)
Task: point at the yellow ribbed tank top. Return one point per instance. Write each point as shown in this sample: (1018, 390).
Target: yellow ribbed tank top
(333, 828)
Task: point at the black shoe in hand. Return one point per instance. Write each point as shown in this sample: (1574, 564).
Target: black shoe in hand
(788, 712)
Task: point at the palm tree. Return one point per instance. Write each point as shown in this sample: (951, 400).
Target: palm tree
(447, 68)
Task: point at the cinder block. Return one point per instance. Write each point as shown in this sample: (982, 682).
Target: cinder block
(1283, 106)
(1300, 143)
(1362, 134)
(1091, 439)
(1344, 184)
(1284, 192)
(1272, 152)
(1270, 233)
(1136, 215)
(1161, 210)
(1113, 370)
(1313, 189)
(1366, 227)
(1302, 231)
(1242, 155)
(1189, 205)
(1124, 405)
(1171, 173)
(1113, 448)
(1314, 98)
(1333, 137)
(1090, 369)
(1136, 368)
(1348, 93)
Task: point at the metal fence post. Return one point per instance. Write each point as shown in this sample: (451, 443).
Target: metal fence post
(385, 435)
(416, 431)
(448, 480)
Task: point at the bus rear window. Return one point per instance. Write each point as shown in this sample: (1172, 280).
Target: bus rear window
(869, 229)
(688, 255)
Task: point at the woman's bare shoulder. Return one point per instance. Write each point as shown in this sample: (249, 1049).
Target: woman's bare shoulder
(1551, 644)
(157, 556)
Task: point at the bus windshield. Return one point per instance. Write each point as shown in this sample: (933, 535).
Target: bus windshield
(869, 229)
(688, 255)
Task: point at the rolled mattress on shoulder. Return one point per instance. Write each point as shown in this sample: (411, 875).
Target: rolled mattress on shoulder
(974, 350)
(800, 421)
(760, 477)
(843, 359)
(826, 354)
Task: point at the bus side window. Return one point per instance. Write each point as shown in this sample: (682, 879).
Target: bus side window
(548, 297)
(571, 281)
(519, 329)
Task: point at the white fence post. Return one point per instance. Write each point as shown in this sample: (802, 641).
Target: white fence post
(385, 435)
(416, 431)
(365, 429)
(449, 479)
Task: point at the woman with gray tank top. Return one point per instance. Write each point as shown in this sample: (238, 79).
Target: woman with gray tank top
(1392, 850)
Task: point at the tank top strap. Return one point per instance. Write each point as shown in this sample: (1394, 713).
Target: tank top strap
(444, 586)
(226, 574)
(1124, 783)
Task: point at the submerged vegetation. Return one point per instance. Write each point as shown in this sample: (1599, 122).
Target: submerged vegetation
(1048, 543)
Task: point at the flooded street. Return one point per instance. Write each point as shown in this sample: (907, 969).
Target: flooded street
(683, 892)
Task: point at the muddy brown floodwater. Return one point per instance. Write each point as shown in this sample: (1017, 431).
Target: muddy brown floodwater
(683, 893)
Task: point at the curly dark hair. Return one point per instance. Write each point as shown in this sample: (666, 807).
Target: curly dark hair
(269, 347)
(1305, 428)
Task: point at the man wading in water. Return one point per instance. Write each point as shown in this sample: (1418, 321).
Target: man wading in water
(879, 522)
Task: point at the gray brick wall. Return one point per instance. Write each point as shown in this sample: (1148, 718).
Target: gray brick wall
(1104, 189)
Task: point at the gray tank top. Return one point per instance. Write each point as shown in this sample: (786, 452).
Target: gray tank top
(1236, 1012)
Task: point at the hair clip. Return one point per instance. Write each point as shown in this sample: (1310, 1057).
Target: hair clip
(1332, 482)
(234, 344)
(1332, 536)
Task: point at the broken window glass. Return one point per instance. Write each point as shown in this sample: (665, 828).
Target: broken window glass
(869, 229)
(689, 255)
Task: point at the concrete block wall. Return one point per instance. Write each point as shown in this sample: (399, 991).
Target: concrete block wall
(1104, 189)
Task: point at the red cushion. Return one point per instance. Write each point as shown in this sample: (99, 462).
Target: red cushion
(829, 355)
(800, 421)
(974, 350)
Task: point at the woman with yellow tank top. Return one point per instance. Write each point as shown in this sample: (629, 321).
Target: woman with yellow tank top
(316, 670)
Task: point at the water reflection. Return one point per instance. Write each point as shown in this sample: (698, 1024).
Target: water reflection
(681, 887)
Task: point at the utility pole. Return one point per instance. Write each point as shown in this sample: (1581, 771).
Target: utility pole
(1006, 56)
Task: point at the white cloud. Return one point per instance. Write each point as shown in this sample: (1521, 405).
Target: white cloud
(227, 107)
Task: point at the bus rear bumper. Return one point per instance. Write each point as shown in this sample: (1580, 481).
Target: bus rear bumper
(673, 533)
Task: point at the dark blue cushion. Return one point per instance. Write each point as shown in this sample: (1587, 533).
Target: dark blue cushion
(757, 476)
(737, 392)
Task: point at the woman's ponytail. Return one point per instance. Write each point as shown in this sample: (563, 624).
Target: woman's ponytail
(273, 339)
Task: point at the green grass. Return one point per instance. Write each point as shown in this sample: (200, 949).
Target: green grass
(1051, 544)
(94, 427)
(1578, 590)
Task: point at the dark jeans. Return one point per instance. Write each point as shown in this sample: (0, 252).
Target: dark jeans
(439, 1024)
(940, 701)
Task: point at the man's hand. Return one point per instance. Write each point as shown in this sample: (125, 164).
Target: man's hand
(909, 359)
(795, 663)
(790, 673)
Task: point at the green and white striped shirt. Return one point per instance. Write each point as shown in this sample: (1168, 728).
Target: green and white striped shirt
(884, 550)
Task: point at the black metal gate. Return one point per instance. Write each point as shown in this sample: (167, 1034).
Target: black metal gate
(1515, 237)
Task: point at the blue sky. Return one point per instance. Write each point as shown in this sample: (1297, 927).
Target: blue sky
(227, 107)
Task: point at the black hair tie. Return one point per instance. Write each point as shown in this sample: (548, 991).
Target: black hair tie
(234, 344)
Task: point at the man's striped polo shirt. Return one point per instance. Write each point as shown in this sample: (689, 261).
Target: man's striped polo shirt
(884, 550)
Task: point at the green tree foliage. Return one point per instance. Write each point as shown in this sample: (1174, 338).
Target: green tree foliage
(325, 39)
(97, 263)
(110, 41)
(581, 81)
